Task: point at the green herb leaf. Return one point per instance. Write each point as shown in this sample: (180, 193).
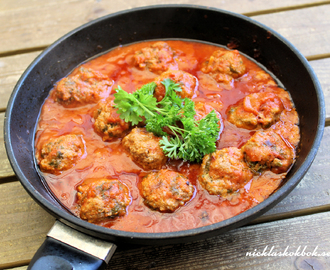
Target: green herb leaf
(132, 107)
(172, 118)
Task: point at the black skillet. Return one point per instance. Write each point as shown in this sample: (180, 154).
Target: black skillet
(156, 22)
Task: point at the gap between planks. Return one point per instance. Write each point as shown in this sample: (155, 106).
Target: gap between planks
(276, 10)
(327, 121)
(19, 265)
(28, 50)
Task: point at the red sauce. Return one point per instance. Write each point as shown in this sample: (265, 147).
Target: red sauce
(108, 159)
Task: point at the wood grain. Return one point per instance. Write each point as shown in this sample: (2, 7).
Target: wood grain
(307, 29)
(5, 167)
(322, 71)
(23, 225)
(244, 5)
(11, 68)
(37, 25)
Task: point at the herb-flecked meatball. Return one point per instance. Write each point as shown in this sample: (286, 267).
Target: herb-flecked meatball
(224, 172)
(157, 58)
(266, 150)
(256, 110)
(108, 124)
(288, 128)
(60, 154)
(224, 66)
(144, 149)
(166, 190)
(85, 87)
(258, 80)
(187, 82)
(101, 199)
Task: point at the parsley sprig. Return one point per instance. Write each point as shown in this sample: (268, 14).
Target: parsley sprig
(189, 139)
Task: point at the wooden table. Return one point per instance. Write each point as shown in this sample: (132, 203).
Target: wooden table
(299, 221)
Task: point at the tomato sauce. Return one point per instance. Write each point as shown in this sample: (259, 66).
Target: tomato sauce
(108, 159)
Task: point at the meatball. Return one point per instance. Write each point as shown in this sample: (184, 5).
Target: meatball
(266, 150)
(166, 190)
(86, 86)
(256, 110)
(258, 80)
(157, 58)
(187, 82)
(101, 199)
(224, 172)
(144, 149)
(288, 127)
(60, 154)
(108, 124)
(224, 66)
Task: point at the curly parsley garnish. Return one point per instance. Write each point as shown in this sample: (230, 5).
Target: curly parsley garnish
(189, 139)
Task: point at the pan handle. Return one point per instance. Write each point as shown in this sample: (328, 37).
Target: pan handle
(68, 249)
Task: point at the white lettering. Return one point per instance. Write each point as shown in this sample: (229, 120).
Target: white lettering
(266, 252)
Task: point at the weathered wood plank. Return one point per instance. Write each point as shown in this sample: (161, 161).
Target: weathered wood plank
(244, 5)
(38, 25)
(15, 229)
(322, 71)
(6, 6)
(5, 167)
(297, 25)
(23, 225)
(11, 68)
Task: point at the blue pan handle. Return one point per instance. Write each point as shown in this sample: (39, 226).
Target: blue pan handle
(68, 249)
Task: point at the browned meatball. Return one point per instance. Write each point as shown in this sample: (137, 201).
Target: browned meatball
(101, 199)
(288, 127)
(108, 124)
(224, 66)
(60, 154)
(144, 149)
(262, 76)
(188, 83)
(157, 58)
(86, 86)
(224, 172)
(166, 190)
(258, 80)
(256, 110)
(266, 150)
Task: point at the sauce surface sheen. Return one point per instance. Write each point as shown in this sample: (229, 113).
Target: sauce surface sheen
(100, 159)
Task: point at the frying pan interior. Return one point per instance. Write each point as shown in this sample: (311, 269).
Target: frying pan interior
(161, 22)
